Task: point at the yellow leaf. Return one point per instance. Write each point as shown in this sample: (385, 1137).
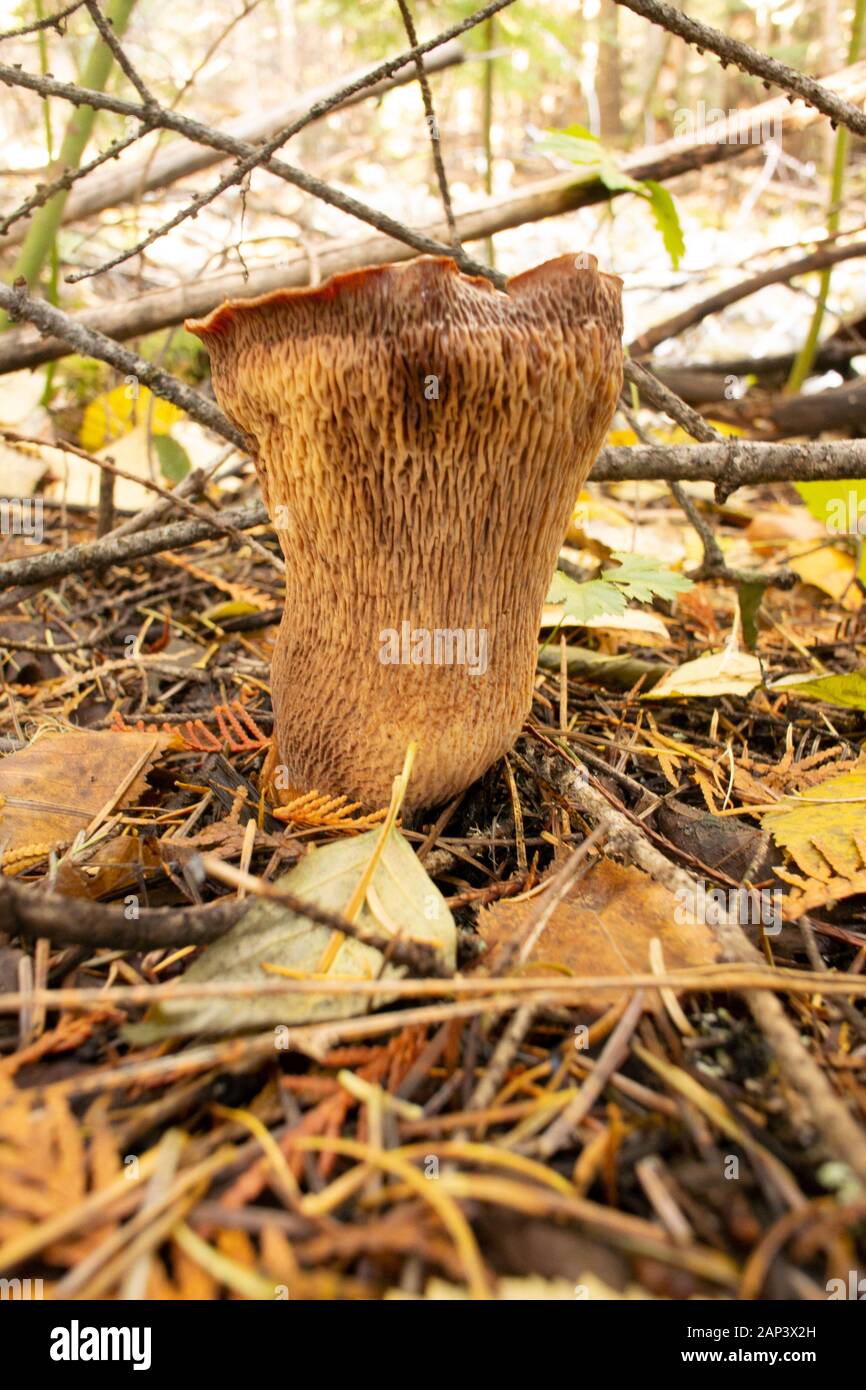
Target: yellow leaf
(820, 828)
(831, 570)
(847, 690)
(814, 894)
(233, 608)
(839, 507)
(117, 412)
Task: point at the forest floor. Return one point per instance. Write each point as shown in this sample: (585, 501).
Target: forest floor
(549, 1121)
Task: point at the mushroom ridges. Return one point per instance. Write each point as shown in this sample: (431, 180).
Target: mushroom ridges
(421, 438)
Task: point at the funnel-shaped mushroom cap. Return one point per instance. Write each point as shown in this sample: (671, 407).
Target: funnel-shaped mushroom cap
(421, 438)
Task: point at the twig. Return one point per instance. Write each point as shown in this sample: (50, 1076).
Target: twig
(855, 1020)
(251, 156)
(55, 564)
(52, 21)
(839, 1131)
(110, 39)
(415, 955)
(503, 1055)
(45, 192)
(543, 990)
(657, 394)
(172, 498)
(560, 1134)
(105, 516)
(432, 126)
(732, 464)
(729, 465)
(549, 198)
(713, 559)
(191, 486)
(20, 305)
(826, 255)
(740, 55)
(162, 168)
(73, 921)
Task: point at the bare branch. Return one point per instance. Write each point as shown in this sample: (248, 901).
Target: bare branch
(824, 256)
(164, 167)
(19, 305)
(731, 464)
(174, 498)
(71, 921)
(45, 192)
(549, 198)
(53, 21)
(111, 41)
(78, 559)
(251, 157)
(432, 126)
(655, 393)
(740, 55)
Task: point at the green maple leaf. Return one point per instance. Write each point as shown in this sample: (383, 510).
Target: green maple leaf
(643, 579)
(595, 599)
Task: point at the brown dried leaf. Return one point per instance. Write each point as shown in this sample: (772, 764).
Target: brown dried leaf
(112, 864)
(604, 927)
(62, 784)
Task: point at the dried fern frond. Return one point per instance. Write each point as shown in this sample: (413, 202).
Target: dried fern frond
(328, 812)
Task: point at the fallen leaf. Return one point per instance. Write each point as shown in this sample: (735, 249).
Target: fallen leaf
(109, 865)
(726, 672)
(20, 397)
(62, 784)
(728, 845)
(824, 828)
(838, 507)
(591, 510)
(833, 571)
(603, 927)
(173, 458)
(848, 690)
(633, 621)
(783, 524)
(405, 899)
(121, 410)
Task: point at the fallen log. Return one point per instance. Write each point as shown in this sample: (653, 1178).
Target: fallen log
(779, 417)
(708, 382)
(821, 259)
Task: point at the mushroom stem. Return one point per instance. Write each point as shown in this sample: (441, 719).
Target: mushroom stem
(420, 438)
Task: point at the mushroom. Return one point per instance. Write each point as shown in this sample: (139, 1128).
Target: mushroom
(420, 438)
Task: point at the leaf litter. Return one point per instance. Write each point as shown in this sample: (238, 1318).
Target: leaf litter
(293, 1083)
